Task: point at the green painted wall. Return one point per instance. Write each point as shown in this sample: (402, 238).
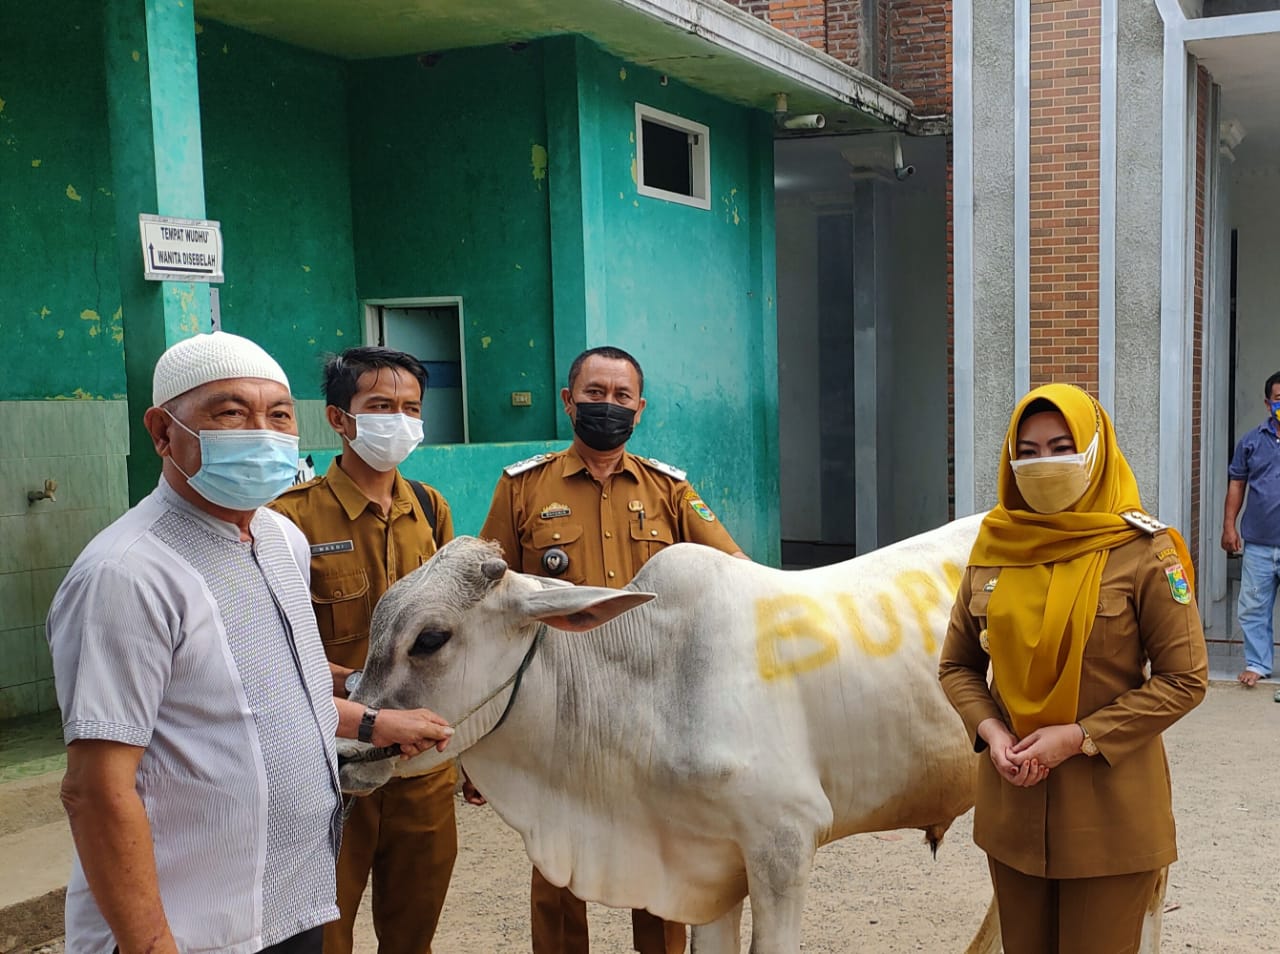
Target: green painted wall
(61, 322)
(501, 176)
(277, 177)
(60, 314)
(506, 177)
(449, 191)
(689, 292)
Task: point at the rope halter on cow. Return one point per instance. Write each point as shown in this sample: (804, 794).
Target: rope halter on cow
(383, 752)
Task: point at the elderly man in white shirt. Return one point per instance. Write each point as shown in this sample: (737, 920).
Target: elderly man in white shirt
(197, 704)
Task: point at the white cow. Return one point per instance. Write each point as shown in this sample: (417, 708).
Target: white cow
(683, 752)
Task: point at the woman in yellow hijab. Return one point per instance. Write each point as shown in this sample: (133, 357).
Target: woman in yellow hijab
(1082, 607)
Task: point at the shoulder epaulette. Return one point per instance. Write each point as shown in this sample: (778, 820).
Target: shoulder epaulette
(1143, 521)
(302, 486)
(520, 466)
(674, 472)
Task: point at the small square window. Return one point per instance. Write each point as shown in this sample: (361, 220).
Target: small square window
(673, 158)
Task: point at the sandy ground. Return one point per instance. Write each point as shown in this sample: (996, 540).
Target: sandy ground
(884, 894)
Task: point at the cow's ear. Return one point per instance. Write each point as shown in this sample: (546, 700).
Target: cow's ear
(580, 608)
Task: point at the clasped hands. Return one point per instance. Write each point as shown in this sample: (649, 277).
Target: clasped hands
(1027, 761)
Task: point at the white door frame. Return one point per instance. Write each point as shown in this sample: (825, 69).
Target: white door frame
(1178, 278)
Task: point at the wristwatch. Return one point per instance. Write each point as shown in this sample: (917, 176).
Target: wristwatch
(352, 681)
(365, 732)
(1087, 745)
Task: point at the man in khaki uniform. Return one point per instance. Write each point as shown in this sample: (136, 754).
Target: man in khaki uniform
(368, 526)
(594, 514)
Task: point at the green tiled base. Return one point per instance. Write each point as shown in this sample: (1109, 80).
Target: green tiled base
(31, 746)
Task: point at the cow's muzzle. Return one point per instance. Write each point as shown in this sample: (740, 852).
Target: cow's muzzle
(363, 768)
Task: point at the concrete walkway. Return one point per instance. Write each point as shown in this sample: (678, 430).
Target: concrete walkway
(35, 840)
(35, 843)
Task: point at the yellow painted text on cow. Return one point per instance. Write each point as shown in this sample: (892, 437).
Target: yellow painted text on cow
(799, 632)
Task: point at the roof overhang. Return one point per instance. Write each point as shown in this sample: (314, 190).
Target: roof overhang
(707, 44)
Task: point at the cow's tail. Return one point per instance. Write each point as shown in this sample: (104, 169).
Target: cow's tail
(933, 835)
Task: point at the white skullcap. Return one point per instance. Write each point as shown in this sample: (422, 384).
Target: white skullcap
(213, 357)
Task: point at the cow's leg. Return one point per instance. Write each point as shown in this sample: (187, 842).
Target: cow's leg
(1153, 923)
(777, 879)
(721, 936)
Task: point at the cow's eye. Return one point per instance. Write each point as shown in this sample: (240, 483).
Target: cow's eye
(428, 641)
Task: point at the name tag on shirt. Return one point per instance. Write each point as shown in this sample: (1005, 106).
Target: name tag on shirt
(338, 546)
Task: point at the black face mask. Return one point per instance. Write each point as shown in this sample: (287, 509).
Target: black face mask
(603, 426)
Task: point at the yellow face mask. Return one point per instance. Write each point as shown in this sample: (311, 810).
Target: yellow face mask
(1052, 484)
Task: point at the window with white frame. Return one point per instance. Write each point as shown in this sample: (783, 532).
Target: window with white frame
(673, 158)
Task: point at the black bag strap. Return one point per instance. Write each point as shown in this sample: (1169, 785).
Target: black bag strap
(428, 506)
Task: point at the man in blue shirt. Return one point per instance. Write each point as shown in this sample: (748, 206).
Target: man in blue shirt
(1256, 464)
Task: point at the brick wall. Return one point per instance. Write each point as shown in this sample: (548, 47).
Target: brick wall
(912, 40)
(804, 19)
(757, 8)
(919, 53)
(844, 31)
(1065, 88)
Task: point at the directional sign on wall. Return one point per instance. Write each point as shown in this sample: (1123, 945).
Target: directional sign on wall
(181, 250)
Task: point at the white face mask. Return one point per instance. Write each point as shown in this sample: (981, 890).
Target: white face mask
(383, 441)
(1052, 484)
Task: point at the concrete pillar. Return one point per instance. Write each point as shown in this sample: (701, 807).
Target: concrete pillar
(153, 109)
(993, 379)
(764, 360)
(838, 373)
(868, 240)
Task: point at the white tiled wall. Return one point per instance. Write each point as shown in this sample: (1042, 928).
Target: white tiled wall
(83, 446)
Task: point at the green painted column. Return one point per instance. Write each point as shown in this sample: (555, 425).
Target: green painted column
(764, 357)
(153, 109)
(579, 283)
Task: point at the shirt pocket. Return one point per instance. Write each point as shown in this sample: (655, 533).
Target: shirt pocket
(1114, 625)
(978, 605)
(650, 538)
(341, 602)
(556, 535)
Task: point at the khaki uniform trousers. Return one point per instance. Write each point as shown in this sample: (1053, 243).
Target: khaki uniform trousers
(1071, 915)
(559, 923)
(405, 833)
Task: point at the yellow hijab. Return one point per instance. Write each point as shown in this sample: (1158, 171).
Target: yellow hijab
(1046, 596)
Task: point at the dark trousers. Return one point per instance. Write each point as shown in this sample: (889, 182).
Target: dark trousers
(559, 922)
(1071, 915)
(407, 835)
(308, 942)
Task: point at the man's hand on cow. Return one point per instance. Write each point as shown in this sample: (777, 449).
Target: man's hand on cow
(1001, 744)
(415, 730)
(1050, 746)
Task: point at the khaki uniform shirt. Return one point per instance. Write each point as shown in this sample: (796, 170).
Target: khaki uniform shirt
(357, 552)
(1112, 813)
(607, 531)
